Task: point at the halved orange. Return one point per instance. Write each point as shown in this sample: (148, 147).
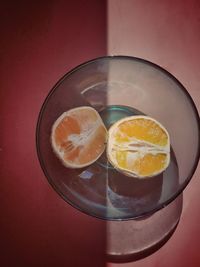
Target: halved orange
(79, 137)
(138, 146)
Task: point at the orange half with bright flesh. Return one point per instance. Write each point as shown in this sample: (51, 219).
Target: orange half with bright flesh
(138, 146)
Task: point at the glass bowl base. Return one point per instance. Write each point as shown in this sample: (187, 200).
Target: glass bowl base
(136, 239)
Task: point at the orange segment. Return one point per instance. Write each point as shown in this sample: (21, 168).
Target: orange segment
(78, 137)
(150, 164)
(67, 126)
(94, 148)
(139, 146)
(146, 130)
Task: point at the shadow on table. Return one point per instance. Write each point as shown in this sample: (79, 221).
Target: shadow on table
(129, 241)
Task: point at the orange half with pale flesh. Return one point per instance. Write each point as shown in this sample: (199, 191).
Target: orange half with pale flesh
(79, 137)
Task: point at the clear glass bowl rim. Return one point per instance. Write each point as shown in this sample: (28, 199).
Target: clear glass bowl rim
(131, 58)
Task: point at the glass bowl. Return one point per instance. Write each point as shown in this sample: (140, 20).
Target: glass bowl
(117, 87)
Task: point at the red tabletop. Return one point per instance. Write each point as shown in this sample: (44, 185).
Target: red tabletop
(167, 33)
(40, 42)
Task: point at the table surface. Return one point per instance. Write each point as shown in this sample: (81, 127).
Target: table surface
(40, 42)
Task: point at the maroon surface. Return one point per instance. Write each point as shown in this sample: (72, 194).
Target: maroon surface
(168, 33)
(40, 41)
